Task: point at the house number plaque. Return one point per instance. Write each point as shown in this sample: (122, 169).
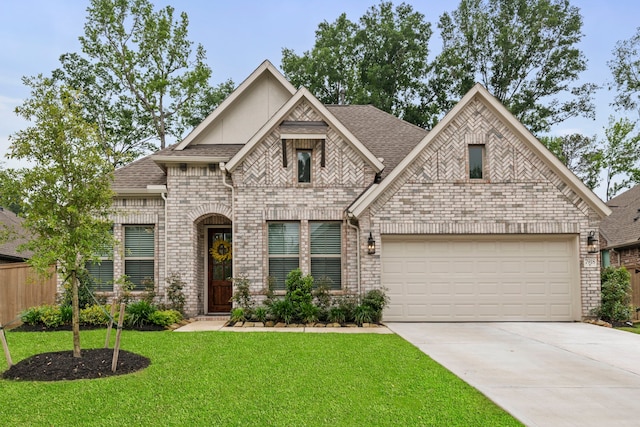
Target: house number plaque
(591, 262)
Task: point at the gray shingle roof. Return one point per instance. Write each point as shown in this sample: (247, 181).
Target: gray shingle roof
(383, 134)
(11, 223)
(622, 227)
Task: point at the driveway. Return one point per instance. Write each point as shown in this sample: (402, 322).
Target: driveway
(544, 374)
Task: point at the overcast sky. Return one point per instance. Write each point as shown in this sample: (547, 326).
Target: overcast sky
(238, 35)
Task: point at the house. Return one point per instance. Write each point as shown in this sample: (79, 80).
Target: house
(473, 221)
(12, 235)
(620, 238)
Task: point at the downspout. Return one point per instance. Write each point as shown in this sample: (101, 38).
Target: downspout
(350, 215)
(223, 169)
(166, 256)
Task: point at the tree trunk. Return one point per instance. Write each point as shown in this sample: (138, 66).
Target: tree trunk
(75, 317)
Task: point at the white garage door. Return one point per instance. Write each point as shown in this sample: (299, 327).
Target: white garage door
(481, 278)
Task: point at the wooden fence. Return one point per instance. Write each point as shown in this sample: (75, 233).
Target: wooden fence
(21, 288)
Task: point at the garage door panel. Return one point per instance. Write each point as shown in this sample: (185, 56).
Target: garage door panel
(480, 278)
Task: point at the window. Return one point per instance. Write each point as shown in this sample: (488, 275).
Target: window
(476, 161)
(605, 260)
(101, 272)
(326, 249)
(304, 166)
(139, 253)
(284, 250)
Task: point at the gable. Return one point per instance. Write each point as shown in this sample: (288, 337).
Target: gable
(244, 112)
(513, 155)
(303, 106)
(271, 162)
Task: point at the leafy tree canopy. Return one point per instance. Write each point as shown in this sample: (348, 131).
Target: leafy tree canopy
(620, 156)
(143, 82)
(381, 60)
(523, 51)
(580, 154)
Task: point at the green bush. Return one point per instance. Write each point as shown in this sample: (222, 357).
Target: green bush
(347, 304)
(282, 311)
(32, 316)
(95, 315)
(260, 314)
(237, 315)
(137, 314)
(337, 315)
(66, 314)
(376, 300)
(364, 314)
(51, 316)
(242, 296)
(308, 312)
(174, 292)
(165, 317)
(616, 295)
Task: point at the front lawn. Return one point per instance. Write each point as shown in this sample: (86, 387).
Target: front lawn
(227, 378)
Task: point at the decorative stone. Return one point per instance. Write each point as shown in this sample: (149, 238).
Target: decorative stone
(281, 325)
(238, 325)
(269, 323)
(249, 324)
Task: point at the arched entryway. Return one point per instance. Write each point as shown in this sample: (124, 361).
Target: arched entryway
(219, 269)
(214, 236)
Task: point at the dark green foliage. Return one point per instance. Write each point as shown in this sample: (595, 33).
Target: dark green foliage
(337, 315)
(32, 316)
(149, 293)
(85, 294)
(95, 315)
(363, 314)
(138, 314)
(242, 296)
(165, 317)
(174, 292)
(260, 314)
(282, 310)
(616, 299)
(237, 315)
(308, 313)
(376, 300)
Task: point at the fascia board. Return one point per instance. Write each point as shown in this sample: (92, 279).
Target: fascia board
(264, 67)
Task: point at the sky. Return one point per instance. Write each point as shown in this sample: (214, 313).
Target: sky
(238, 35)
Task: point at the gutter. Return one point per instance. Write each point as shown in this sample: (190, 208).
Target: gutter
(348, 218)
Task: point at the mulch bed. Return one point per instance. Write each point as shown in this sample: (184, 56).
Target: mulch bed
(61, 365)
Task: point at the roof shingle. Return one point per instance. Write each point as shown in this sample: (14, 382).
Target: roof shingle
(622, 227)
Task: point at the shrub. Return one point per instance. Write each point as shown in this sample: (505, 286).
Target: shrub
(66, 314)
(32, 315)
(165, 317)
(616, 299)
(322, 296)
(376, 300)
(282, 310)
(85, 294)
(260, 314)
(138, 313)
(308, 312)
(347, 304)
(337, 315)
(237, 315)
(363, 314)
(149, 293)
(242, 295)
(174, 292)
(94, 315)
(51, 316)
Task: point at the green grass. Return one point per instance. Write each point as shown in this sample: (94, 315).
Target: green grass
(266, 379)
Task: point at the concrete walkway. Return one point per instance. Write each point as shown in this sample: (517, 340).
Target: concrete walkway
(544, 374)
(218, 325)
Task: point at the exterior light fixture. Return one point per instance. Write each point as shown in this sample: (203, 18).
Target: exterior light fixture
(592, 243)
(371, 245)
(183, 167)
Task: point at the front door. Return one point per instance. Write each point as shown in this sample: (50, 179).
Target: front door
(218, 277)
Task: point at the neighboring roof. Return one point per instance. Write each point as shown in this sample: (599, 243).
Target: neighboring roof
(365, 200)
(384, 134)
(12, 223)
(622, 227)
(327, 116)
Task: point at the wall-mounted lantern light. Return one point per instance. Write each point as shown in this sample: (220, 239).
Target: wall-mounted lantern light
(183, 167)
(592, 243)
(371, 245)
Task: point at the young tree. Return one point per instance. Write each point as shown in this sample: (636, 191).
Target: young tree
(143, 63)
(579, 153)
(380, 61)
(523, 51)
(67, 192)
(620, 156)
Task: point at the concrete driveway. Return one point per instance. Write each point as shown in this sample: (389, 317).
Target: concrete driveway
(544, 374)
